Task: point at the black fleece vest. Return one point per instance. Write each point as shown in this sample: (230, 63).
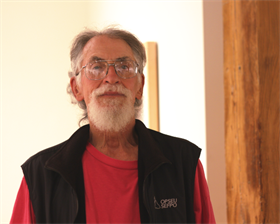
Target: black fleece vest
(166, 172)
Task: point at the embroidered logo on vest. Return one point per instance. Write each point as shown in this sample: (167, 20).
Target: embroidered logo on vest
(165, 203)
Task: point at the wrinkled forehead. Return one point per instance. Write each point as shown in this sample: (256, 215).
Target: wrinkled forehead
(106, 48)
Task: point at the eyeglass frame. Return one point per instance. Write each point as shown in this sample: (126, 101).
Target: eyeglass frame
(109, 64)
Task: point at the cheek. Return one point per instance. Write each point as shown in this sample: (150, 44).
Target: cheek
(87, 99)
(138, 89)
(133, 86)
(88, 87)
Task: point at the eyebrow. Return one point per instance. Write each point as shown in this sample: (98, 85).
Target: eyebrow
(95, 58)
(123, 58)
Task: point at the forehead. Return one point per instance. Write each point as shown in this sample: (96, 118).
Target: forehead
(106, 48)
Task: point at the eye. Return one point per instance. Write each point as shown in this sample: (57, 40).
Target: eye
(97, 67)
(124, 65)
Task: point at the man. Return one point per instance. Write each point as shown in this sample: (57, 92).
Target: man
(113, 170)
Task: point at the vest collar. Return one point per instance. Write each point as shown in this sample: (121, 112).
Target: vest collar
(67, 161)
(149, 153)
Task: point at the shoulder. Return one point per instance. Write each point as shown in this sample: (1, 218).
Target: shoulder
(173, 146)
(172, 140)
(41, 157)
(170, 146)
(34, 168)
(163, 139)
(78, 138)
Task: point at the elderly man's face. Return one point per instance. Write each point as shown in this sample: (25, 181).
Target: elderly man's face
(106, 48)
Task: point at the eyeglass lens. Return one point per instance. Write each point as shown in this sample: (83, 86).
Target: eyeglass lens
(99, 69)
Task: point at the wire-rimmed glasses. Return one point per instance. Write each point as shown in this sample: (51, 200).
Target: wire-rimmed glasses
(97, 70)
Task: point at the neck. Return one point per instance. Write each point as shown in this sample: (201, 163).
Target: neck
(122, 145)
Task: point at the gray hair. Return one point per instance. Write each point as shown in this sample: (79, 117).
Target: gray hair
(76, 56)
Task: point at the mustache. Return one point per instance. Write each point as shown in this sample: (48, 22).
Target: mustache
(111, 88)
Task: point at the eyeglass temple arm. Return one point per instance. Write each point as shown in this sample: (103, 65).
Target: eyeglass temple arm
(81, 70)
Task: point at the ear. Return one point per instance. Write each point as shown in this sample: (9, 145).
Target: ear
(139, 93)
(77, 91)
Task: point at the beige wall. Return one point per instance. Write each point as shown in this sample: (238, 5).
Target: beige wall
(36, 111)
(214, 101)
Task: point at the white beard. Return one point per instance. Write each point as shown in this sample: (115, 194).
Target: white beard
(111, 114)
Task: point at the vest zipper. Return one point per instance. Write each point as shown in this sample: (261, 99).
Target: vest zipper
(145, 196)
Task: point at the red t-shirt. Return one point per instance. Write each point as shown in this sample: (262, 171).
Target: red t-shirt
(111, 192)
(111, 188)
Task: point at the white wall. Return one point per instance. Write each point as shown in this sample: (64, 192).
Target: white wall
(35, 109)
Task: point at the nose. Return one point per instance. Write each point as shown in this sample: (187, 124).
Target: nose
(111, 77)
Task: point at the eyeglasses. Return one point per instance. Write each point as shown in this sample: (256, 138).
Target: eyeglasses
(97, 70)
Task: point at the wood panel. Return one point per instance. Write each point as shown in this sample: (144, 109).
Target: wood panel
(251, 78)
(268, 22)
(152, 84)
